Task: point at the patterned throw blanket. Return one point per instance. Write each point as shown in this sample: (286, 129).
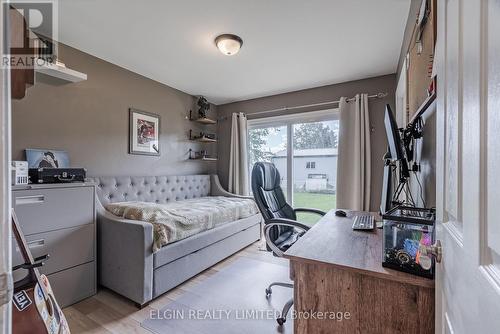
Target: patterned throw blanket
(178, 220)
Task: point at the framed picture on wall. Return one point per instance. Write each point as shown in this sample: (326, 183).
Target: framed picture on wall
(144, 133)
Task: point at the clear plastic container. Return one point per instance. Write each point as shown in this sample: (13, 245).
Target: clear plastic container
(401, 244)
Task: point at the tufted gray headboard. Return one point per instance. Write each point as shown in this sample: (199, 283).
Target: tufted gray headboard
(156, 189)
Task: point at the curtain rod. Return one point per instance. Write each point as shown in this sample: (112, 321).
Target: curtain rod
(378, 96)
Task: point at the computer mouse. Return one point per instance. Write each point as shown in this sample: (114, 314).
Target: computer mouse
(340, 213)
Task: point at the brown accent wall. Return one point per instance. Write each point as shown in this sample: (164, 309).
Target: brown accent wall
(410, 24)
(90, 120)
(426, 147)
(375, 85)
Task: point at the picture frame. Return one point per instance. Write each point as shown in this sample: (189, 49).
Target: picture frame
(144, 133)
(47, 158)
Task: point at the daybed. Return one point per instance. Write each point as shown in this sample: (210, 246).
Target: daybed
(126, 261)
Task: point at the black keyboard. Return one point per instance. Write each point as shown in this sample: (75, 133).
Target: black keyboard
(365, 222)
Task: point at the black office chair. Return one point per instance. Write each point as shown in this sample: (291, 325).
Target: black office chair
(281, 228)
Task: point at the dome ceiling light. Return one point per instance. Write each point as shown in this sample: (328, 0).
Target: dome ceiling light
(229, 44)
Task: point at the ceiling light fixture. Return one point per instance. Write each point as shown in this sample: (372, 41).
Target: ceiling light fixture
(229, 44)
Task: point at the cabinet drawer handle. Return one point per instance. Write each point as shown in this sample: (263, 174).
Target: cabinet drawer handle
(36, 243)
(35, 199)
(32, 244)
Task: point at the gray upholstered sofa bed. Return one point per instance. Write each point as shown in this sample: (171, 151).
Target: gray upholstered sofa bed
(126, 263)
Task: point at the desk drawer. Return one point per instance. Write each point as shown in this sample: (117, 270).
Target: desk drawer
(67, 248)
(42, 210)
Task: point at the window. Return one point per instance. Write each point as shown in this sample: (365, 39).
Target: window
(303, 147)
(268, 144)
(311, 165)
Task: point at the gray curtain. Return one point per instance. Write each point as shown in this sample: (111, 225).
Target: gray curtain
(354, 160)
(238, 158)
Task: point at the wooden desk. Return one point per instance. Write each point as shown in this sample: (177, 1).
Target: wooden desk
(337, 269)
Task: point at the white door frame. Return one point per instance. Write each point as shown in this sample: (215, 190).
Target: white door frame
(288, 121)
(5, 222)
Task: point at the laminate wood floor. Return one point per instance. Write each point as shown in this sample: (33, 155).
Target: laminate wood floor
(108, 312)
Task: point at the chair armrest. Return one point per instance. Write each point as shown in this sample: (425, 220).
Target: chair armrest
(309, 210)
(287, 222)
(216, 189)
(280, 222)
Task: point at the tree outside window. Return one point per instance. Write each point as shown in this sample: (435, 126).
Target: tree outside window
(315, 135)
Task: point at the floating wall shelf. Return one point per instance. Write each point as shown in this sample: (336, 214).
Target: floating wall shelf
(205, 120)
(205, 140)
(202, 138)
(202, 120)
(60, 72)
(204, 159)
(200, 156)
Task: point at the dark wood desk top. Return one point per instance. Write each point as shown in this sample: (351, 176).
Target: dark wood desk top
(332, 241)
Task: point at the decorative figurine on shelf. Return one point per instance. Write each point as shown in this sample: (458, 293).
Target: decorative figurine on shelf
(204, 107)
(194, 155)
(202, 135)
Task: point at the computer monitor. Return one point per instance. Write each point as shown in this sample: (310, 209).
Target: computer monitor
(393, 136)
(386, 199)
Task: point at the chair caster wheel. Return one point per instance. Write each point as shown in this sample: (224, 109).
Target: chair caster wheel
(268, 292)
(281, 321)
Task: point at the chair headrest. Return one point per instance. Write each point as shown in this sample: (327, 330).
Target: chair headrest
(266, 175)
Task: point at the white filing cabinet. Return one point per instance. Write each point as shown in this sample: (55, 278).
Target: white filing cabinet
(59, 220)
